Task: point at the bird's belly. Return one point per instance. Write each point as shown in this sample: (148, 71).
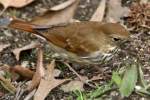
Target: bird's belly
(93, 58)
(98, 57)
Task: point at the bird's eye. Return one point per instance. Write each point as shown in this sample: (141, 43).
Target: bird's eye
(116, 39)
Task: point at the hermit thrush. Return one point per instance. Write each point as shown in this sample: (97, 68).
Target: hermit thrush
(82, 42)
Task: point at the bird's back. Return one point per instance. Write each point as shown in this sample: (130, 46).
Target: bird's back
(80, 38)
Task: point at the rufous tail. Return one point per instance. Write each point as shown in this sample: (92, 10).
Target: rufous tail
(22, 25)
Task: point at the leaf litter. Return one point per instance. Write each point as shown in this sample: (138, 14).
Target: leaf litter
(7, 84)
(39, 73)
(14, 3)
(47, 83)
(3, 46)
(116, 11)
(100, 12)
(72, 86)
(17, 51)
(22, 71)
(57, 14)
(112, 19)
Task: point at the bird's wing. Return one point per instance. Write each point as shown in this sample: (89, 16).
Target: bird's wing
(76, 38)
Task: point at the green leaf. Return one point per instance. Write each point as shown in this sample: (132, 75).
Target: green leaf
(116, 78)
(142, 92)
(80, 95)
(129, 81)
(141, 77)
(101, 90)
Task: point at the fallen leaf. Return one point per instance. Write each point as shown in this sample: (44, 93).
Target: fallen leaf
(144, 1)
(116, 11)
(6, 83)
(3, 46)
(17, 51)
(63, 5)
(14, 3)
(100, 11)
(39, 72)
(58, 14)
(47, 83)
(72, 86)
(9, 72)
(22, 71)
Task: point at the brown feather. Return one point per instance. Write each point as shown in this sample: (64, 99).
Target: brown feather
(87, 41)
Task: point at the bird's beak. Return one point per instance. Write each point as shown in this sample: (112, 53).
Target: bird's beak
(124, 41)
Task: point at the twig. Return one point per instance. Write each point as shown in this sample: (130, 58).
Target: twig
(30, 95)
(3, 11)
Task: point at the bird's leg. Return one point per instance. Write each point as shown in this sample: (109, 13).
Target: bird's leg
(79, 76)
(83, 79)
(102, 73)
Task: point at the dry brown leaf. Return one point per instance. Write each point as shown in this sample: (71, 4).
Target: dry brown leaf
(144, 1)
(22, 71)
(48, 83)
(7, 69)
(14, 3)
(63, 5)
(99, 13)
(6, 83)
(17, 51)
(3, 46)
(72, 86)
(116, 11)
(56, 15)
(39, 72)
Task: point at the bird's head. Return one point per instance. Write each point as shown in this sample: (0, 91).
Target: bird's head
(116, 32)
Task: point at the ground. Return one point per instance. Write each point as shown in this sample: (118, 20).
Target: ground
(137, 49)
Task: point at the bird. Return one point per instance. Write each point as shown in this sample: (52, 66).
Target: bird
(86, 42)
